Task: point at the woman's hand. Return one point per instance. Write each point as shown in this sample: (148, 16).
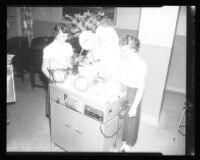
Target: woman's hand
(132, 112)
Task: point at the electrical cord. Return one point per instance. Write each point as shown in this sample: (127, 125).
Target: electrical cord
(122, 113)
(111, 135)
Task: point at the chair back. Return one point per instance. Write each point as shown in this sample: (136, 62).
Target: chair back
(40, 42)
(17, 45)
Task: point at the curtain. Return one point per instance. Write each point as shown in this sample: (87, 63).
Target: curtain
(27, 22)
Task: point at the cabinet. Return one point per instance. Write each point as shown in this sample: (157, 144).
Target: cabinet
(74, 131)
(86, 135)
(10, 84)
(62, 125)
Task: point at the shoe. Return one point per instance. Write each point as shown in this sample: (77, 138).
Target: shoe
(125, 147)
(114, 150)
(122, 149)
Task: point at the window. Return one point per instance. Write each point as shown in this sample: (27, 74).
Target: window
(109, 11)
(14, 22)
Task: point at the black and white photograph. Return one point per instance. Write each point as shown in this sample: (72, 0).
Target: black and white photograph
(100, 79)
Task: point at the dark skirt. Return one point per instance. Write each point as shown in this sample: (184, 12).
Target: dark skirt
(48, 102)
(131, 124)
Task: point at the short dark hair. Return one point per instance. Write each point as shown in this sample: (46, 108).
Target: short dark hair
(63, 27)
(130, 40)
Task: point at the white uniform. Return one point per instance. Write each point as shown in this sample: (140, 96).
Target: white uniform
(58, 54)
(132, 71)
(59, 58)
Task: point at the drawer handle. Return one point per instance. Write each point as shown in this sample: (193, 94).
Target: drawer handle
(78, 132)
(67, 125)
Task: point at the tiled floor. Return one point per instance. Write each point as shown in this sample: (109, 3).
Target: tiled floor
(29, 128)
(164, 138)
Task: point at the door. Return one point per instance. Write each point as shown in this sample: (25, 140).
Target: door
(86, 134)
(62, 125)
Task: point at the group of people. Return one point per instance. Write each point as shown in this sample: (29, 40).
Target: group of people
(118, 56)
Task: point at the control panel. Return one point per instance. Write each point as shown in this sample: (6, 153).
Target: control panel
(94, 113)
(98, 108)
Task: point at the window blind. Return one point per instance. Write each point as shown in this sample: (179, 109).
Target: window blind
(14, 22)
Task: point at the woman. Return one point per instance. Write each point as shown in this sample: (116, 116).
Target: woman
(133, 72)
(57, 55)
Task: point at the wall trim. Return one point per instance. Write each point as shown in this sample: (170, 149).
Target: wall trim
(176, 89)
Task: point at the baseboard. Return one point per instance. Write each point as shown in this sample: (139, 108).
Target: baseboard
(176, 89)
(149, 119)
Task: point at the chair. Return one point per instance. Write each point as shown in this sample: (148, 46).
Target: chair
(11, 96)
(18, 46)
(40, 42)
(35, 67)
(35, 60)
(180, 121)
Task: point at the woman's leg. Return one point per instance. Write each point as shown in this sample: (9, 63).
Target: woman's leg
(132, 127)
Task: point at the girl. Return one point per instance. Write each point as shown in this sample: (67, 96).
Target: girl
(57, 55)
(133, 72)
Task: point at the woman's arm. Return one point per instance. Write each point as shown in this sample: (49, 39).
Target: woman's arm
(138, 98)
(140, 81)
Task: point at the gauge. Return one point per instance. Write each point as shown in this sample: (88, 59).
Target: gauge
(81, 83)
(86, 40)
(59, 75)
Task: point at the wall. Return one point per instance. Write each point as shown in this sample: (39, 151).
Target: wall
(176, 80)
(176, 76)
(43, 28)
(157, 59)
(51, 14)
(128, 17)
(44, 20)
(127, 20)
(14, 22)
(156, 45)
